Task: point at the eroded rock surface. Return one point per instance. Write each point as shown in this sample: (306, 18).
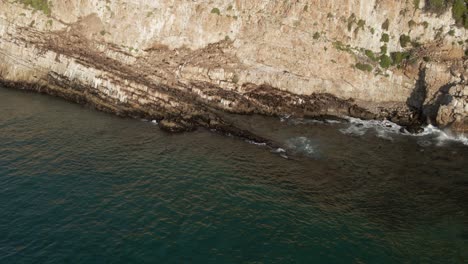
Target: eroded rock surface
(453, 112)
(185, 63)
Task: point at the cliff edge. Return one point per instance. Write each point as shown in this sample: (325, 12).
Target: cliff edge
(185, 63)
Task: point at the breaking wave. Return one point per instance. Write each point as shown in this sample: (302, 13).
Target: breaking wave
(304, 146)
(388, 130)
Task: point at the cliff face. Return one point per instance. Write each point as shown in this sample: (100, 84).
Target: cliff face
(185, 62)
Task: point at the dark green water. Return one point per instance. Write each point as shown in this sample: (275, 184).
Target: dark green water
(79, 186)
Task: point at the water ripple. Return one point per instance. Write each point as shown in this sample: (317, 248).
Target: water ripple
(81, 186)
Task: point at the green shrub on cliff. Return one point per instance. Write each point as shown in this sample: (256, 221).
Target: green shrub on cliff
(370, 54)
(361, 23)
(385, 38)
(459, 9)
(351, 21)
(383, 49)
(399, 57)
(364, 67)
(460, 12)
(385, 61)
(404, 40)
(386, 24)
(341, 46)
(215, 11)
(436, 5)
(40, 5)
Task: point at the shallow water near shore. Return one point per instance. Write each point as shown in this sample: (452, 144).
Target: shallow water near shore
(80, 186)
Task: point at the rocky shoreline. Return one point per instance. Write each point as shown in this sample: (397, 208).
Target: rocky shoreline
(184, 87)
(199, 114)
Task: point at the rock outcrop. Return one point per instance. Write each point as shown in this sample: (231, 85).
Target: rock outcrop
(453, 112)
(185, 63)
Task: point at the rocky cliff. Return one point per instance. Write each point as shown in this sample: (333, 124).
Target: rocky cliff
(185, 63)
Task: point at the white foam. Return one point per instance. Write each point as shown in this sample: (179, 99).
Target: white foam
(354, 130)
(256, 143)
(331, 121)
(446, 136)
(304, 146)
(441, 137)
(384, 135)
(388, 130)
(285, 118)
(385, 125)
(279, 150)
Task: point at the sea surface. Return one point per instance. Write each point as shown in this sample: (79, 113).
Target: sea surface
(81, 186)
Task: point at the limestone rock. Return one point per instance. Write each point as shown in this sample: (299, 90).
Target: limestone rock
(166, 59)
(455, 113)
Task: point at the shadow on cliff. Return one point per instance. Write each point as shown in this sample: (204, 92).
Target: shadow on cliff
(442, 97)
(426, 111)
(416, 100)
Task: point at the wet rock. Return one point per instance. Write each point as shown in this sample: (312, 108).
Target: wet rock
(414, 129)
(173, 127)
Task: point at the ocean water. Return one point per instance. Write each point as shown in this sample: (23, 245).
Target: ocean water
(80, 186)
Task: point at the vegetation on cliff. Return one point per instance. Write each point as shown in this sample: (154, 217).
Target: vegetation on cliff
(40, 5)
(459, 9)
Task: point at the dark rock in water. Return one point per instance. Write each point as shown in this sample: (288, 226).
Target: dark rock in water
(414, 129)
(174, 126)
(328, 118)
(402, 130)
(402, 120)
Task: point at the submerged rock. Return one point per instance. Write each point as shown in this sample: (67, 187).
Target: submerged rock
(174, 126)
